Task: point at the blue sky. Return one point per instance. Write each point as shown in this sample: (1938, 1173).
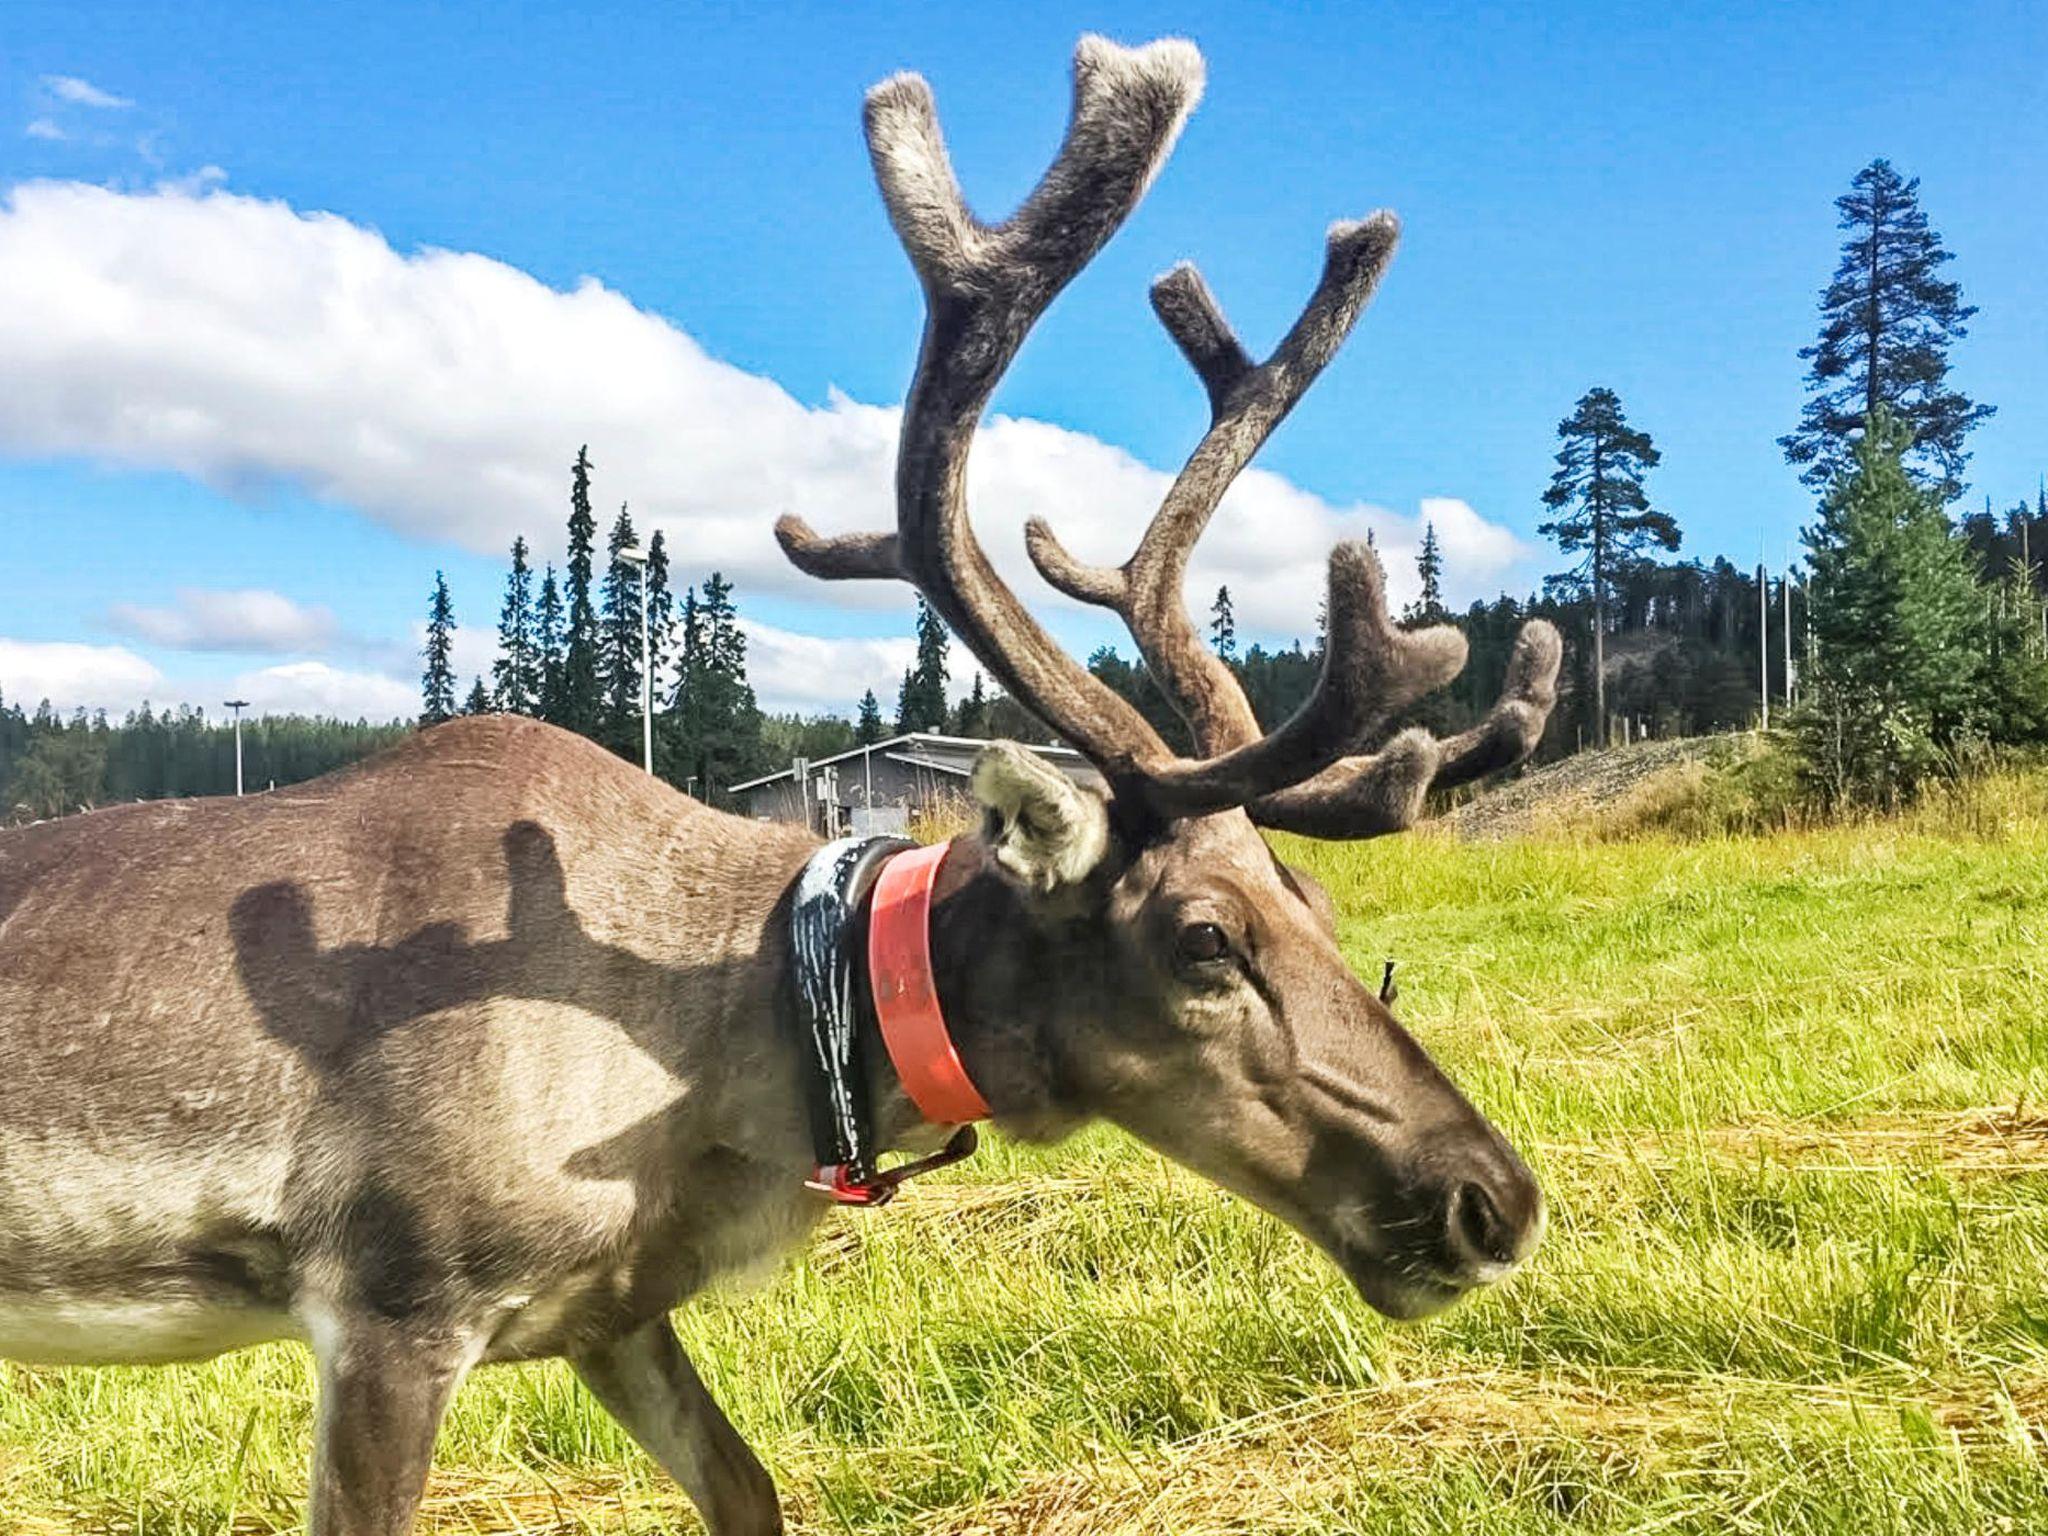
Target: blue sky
(251, 412)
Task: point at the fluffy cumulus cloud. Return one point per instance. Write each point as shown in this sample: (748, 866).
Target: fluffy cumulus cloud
(71, 676)
(115, 679)
(250, 619)
(243, 342)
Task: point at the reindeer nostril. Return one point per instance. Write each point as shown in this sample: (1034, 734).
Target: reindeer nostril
(1479, 1230)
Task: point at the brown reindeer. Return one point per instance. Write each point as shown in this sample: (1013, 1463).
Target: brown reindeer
(471, 1053)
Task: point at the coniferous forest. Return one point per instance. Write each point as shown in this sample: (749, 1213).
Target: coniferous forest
(1915, 636)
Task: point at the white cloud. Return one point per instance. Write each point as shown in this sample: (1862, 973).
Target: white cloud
(240, 341)
(315, 688)
(46, 129)
(83, 93)
(807, 674)
(248, 619)
(110, 677)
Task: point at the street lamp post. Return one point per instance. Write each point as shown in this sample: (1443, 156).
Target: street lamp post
(237, 705)
(635, 554)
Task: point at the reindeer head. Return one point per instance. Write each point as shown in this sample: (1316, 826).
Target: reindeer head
(1177, 977)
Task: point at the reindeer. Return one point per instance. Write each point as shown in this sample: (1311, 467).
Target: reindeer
(470, 1053)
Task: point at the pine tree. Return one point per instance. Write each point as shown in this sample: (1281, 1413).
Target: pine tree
(1897, 621)
(661, 611)
(618, 648)
(437, 682)
(1429, 566)
(515, 674)
(580, 705)
(547, 648)
(1598, 487)
(921, 706)
(868, 728)
(1887, 321)
(971, 717)
(479, 700)
(1223, 626)
(716, 723)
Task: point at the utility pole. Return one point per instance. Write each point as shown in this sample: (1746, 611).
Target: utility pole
(1785, 591)
(1763, 639)
(237, 705)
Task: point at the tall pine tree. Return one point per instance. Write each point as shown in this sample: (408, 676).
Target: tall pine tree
(437, 681)
(579, 704)
(1223, 626)
(1897, 620)
(715, 723)
(661, 612)
(515, 675)
(1429, 568)
(868, 728)
(1887, 321)
(1598, 491)
(921, 706)
(548, 626)
(618, 649)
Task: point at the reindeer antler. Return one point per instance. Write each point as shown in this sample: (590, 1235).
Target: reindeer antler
(985, 286)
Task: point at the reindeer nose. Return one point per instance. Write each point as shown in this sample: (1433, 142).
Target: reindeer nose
(1494, 1220)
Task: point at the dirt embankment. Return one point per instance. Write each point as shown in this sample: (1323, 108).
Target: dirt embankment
(1579, 787)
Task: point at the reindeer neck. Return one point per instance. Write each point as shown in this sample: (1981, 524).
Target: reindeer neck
(1001, 1006)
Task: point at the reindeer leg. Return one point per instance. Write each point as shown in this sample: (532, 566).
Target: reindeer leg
(647, 1383)
(383, 1389)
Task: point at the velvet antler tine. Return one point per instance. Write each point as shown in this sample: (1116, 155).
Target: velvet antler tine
(1514, 725)
(1362, 797)
(1371, 670)
(846, 557)
(1247, 402)
(985, 287)
(1188, 310)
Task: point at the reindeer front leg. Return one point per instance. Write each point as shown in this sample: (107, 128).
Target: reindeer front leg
(383, 1388)
(647, 1383)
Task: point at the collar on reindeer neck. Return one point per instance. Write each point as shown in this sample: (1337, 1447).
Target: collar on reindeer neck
(824, 993)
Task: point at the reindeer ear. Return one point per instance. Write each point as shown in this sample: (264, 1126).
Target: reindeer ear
(1041, 826)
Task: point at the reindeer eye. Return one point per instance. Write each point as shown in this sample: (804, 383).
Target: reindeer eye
(1202, 943)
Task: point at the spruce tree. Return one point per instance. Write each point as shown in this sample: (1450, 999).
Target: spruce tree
(661, 612)
(1897, 619)
(1429, 566)
(971, 717)
(581, 705)
(1598, 489)
(867, 730)
(437, 681)
(717, 731)
(479, 700)
(618, 650)
(1223, 626)
(921, 706)
(515, 674)
(1887, 321)
(548, 624)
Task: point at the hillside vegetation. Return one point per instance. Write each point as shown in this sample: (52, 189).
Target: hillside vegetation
(1787, 1095)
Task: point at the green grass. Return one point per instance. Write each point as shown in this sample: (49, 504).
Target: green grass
(1785, 1093)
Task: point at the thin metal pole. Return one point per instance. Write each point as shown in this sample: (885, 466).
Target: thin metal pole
(1785, 591)
(238, 705)
(1763, 639)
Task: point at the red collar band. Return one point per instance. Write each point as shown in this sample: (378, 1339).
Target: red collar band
(907, 995)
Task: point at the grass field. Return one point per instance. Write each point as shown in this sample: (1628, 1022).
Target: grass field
(1789, 1097)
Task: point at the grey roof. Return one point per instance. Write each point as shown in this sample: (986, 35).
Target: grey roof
(917, 748)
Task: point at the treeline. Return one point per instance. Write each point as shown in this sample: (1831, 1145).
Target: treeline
(52, 766)
(571, 651)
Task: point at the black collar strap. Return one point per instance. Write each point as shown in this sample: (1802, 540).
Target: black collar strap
(827, 994)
